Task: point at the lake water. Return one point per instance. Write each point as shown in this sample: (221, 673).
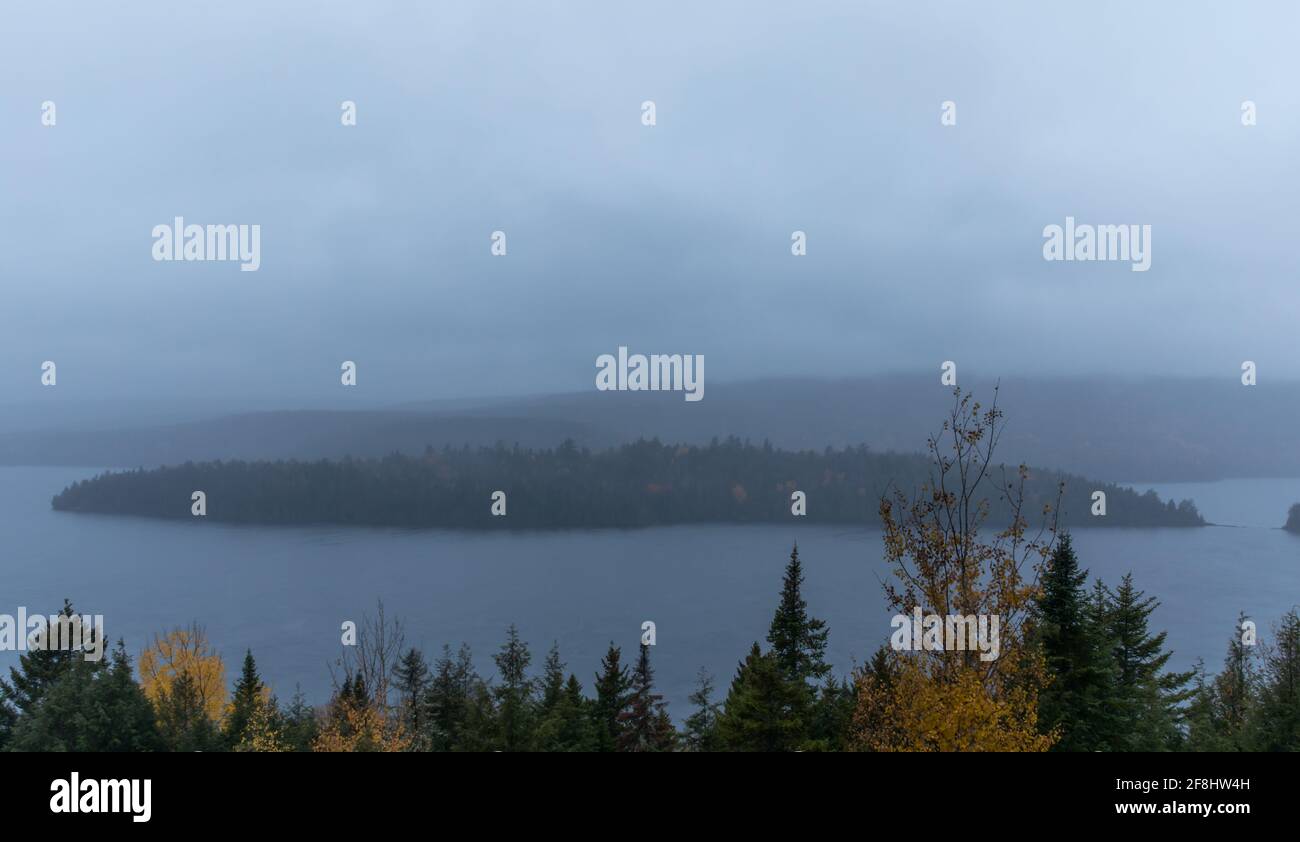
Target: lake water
(283, 592)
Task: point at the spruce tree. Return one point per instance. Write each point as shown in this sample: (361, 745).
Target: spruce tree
(761, 711)
(37, 671)
(644, 724)
(1076, 655)
(182, 721)
(459, 710)
(701, 732)
(612, 685)
(552, 680)
(300, 723)
(514, 695)
(798, 640)
(567, 725)
(93, 706)
(1277, 717)
(411, 677)
(1236, 692)
(1147, 698)
(244, 702)
(832, 715)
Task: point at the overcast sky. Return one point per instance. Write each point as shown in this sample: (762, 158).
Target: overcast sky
(924, 241)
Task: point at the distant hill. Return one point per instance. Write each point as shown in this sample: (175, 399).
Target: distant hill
(1141, 431)
(642, 484)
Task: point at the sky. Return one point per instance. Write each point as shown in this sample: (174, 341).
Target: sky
(924, 241)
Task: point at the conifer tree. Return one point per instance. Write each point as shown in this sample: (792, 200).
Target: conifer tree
(245, 701)
(459, 709)
(182, 718)
(798, 640)
(299, 722)
(93, 706)
(411, 676)
(514, 695)
(701, 732)
(1077, 657)
(37, 671)
(1147, 698)
(761, 709)
(552, 688)
(612, 685)
(644, 724)
(566, 725)
(1277, 719)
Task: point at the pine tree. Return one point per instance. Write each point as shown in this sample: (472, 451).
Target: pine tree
(514, 695)
(702, 726)
(247, 698)
(93, 706)
(412, 679)
(552, 680)
(37, 671)
(300, 727)
(832, 715)
(1077, 658)
(612, 684)
(182, 720)
(1147, 698)
(760, 712)
(567, 724)
(644, 724)
(798, 641)
(1236, 691)
(460, 711)
(1277, 718)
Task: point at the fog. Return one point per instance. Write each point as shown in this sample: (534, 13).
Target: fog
(924, 241)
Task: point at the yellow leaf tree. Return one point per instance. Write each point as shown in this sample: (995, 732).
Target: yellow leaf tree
(185, 651)
(944, 699)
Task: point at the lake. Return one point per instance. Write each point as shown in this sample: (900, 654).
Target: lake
(711, 591)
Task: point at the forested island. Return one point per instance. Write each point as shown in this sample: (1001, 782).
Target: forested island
(645, 483)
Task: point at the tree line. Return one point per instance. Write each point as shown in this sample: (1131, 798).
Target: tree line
(1105, 688)
(645, 483)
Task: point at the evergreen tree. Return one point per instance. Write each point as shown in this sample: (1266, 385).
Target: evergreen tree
(247, 698)
(612, 684)
(1076, 653)
(182, 721)
(514, 695)
(702, 726)
(1147, 699)
(37, 671)
(566, 725)
(411, 676)
(798, 640)
(552, 680)
(832, 715)
(1236, 691)
(1202, 729)
(644, 724)
(460, 711)
(761, 709)
(93, 706)
(300, 726)
(1277, 719)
